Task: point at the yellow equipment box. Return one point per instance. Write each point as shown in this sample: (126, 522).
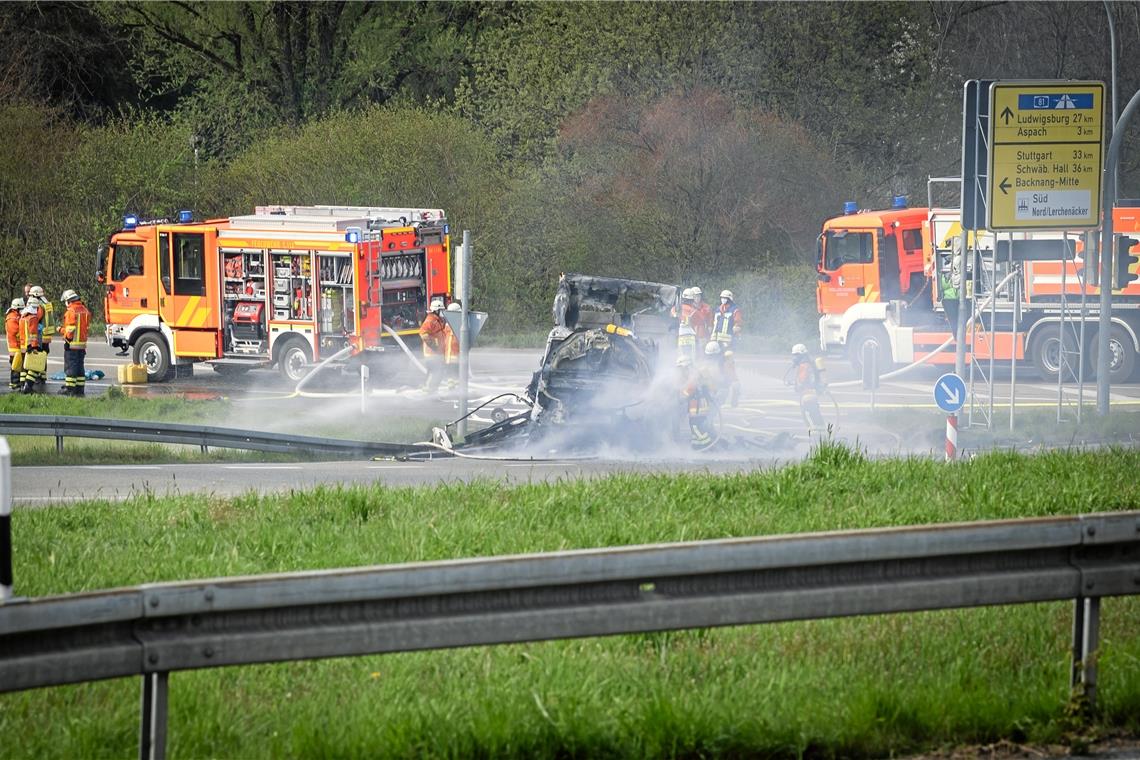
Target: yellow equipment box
(130, 374)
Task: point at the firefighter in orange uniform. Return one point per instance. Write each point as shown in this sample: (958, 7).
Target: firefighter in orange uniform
(728, 323)
(34, 370)
(432, 338)
(451, 348)
(12, 327)
(702, 318)
(76, 320)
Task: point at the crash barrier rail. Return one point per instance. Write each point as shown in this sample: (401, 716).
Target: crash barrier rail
(153, 629)
(196, 435)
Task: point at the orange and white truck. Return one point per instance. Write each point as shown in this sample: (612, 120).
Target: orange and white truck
(879, 279)
(284, 286)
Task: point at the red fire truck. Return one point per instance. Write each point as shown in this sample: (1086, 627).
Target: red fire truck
(284, 286)
(880, 279)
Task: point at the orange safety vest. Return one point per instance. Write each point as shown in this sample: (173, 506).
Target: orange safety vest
(702, 321)
(76, 320)
(431, 334)
(30, 330)
(451, 346)
(12, 325)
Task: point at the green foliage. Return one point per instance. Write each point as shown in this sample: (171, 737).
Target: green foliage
(857, 687)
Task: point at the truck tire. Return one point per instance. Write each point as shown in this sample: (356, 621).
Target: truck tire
(151, 351)
(1045, 353)
(860, 336)
(1121, 355)
(293, 359)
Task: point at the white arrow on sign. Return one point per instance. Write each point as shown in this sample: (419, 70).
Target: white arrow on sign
(951, 395)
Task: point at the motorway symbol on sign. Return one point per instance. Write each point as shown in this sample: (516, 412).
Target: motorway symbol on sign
(949, 392)
(1046, 155)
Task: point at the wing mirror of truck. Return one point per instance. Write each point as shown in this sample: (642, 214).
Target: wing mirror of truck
(166, 283)
(100, 277)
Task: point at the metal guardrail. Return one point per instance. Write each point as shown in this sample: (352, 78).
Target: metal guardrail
(196, 435)
(153, 629)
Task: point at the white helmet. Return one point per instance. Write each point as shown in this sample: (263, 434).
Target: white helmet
(17, 303)
(454, 306)
(436, 304)
(696, 291)
(68, 296)
(712, 348)
(726, 294)
(687, 294)
(36, 292)
(798, 349)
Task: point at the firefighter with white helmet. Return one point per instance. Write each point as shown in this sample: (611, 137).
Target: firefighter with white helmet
(76, 321)
(33, 370)
(728, 324)
(806, 376)
(12, 328)
(35, 294)
(697, 396)
(432, 340)
(702, 318)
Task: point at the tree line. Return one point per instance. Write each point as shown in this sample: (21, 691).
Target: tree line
(685, 142)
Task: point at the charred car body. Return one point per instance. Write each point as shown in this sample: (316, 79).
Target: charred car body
(607, 372)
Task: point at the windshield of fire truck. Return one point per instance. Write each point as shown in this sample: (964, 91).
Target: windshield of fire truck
(842, 247)
(126, 261)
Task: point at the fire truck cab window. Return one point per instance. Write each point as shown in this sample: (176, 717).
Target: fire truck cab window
(127, 261)
(847, 248)
(189, 264)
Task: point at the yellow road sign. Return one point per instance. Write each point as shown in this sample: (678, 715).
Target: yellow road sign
(1046, 155)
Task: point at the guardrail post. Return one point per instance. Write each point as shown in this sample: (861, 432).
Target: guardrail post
(1086, 639)
(152, 726)
(58, 443)
(5, 521)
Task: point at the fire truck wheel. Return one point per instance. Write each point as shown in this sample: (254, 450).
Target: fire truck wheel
(862, 335)
(1121, 355)
(294, 360)
(151, 350)
(1045, 353)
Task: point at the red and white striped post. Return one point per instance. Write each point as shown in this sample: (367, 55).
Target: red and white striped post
(951, 437)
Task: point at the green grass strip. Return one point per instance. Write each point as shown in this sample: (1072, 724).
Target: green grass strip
(860, 687)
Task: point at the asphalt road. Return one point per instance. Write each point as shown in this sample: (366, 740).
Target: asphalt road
(765, 429)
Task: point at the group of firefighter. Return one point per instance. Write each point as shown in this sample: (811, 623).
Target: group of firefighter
(440, 346)
(706, 347)
(30, 325)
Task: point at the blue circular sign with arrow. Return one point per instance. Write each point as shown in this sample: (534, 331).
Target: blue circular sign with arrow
(949, 392)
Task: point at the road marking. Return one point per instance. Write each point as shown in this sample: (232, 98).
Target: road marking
(263, 467)
(123, 466)
(395, 466)
(541, 464)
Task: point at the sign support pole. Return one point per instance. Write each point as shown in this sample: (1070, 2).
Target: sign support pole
(464, 333)
(1106, 251)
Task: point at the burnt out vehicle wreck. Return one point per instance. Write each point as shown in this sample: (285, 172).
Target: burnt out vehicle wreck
(607, 377)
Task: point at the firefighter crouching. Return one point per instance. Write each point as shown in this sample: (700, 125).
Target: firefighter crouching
(451, 348)
(15, 354)
(432, 339)
(34, 369)
(727, 325)
(807, 378)
(76, 321)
